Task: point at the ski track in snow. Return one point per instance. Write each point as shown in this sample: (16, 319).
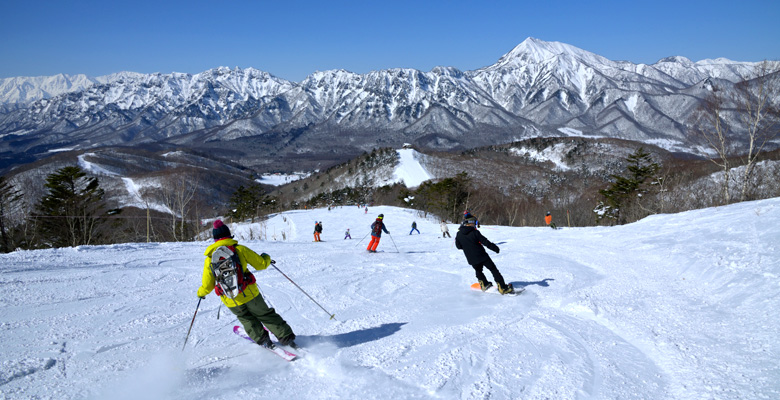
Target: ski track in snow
(671, 307)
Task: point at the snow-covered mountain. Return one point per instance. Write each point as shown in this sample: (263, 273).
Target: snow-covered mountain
(22, 90)
(677, 306)
(538, 88)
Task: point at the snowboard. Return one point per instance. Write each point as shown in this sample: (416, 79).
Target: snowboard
(494, 289)
(278, 350)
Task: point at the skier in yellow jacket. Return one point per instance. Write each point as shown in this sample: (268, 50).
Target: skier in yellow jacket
(247, 304)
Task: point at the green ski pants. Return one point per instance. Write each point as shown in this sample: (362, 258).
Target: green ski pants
(254, 314)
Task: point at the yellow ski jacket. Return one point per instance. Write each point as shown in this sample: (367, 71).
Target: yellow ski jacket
(245, 256)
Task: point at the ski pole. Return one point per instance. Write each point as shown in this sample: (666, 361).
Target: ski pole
(396, 247)
(332, 316)
(362, 239)
(191, 323)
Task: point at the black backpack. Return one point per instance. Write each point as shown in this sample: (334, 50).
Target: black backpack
(231, 279)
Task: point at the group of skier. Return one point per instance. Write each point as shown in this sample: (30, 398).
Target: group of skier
(255, 315)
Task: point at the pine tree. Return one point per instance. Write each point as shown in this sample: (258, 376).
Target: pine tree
(246, 201)
(627, 191)
(8, 197)
(445, 198)
(70, 213)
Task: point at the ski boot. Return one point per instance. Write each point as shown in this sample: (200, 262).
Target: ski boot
(265, 341)
(508, 289)
(485, 285)
(289, 340)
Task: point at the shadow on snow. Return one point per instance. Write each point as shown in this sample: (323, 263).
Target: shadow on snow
(354, 338)
(538, 283)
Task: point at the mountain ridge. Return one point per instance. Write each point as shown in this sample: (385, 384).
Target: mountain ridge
(538, 88)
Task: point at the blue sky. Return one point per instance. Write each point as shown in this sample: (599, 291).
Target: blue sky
(292, 39)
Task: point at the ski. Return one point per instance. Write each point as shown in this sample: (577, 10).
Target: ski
(494, 289)
(278, 350)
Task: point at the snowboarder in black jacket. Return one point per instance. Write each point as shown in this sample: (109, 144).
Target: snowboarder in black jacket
(473, 245)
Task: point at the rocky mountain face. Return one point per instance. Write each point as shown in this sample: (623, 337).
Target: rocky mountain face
(267, 123)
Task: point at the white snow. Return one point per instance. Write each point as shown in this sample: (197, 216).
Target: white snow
(281, 179)
(632, 102)
(409, 170)
(676, 306)
(60, 150)
(93, 168)
(576, 132)
(554, 154)
(136, 200)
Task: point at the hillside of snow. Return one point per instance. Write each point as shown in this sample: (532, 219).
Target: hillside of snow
(408, 170)
(672, 307)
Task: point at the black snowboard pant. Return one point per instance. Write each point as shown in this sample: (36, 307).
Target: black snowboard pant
(493, 270)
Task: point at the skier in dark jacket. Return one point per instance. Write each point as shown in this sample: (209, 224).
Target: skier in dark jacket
(317, 231)
(473, 245)
(467, 215)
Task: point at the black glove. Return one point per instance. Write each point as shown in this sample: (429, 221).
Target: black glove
(202, 297)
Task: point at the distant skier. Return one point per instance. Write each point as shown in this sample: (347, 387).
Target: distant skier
(317, 231)
(471, 242)
(414, 228)
(366, 211)
(248, 304)
(347, 235)
(376, 233)
(548, 220)
(445, 230)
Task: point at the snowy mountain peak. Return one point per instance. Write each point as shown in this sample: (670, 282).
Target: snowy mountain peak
(534, 50)
(26, 89)
(448, 71)
(535, 89)
(676, 59)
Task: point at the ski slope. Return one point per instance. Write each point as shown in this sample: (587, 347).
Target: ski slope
(677, 306)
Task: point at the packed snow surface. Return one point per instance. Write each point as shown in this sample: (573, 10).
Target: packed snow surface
(677, 306)
(409, 170)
